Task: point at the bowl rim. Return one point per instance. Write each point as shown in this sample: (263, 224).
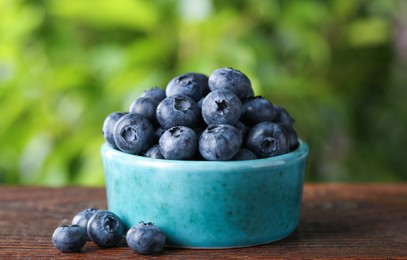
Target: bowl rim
(301, 152)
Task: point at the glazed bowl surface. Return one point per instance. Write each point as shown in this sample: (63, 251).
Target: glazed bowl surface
(208, 204)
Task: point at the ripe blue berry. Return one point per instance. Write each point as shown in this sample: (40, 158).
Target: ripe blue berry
(155, 93)
(220, 142)
(244, 154)
(256, 110)
(178, 110)
(69, 238)
(267, 139)
(284, 119)
(105, 228)
(221, 106)
(145, 238)
(233, 80)
(282, 116)
(108, 127)
(154, 152)
(186, 85)
(82, 218)
(146, 107)
(178, 143)
(133, 133)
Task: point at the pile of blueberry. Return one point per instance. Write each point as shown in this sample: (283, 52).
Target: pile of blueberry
(105, 229)
(202, 118)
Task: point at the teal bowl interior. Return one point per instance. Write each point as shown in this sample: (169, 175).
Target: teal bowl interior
(208, 204)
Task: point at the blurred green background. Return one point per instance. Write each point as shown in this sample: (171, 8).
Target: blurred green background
(339, 67)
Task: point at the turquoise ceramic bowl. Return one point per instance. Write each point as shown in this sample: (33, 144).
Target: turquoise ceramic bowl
(208, 204)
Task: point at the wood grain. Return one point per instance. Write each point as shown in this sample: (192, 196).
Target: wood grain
(337, 221)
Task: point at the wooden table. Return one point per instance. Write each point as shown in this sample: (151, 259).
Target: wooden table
(337, 221)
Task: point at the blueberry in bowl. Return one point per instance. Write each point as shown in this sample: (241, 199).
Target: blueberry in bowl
(214, 167)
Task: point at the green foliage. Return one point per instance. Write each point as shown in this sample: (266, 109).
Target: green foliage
(66, 64)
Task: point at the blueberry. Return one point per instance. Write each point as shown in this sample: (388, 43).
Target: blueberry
(233, 80)
(256, 110)
(244, 154)
(267, 139)
(154, 152)
(82, 218)
(202, 80)
(220, 142)
(242, 128)
(178, 143)
(292, 138)
(146, 107)
(69, 238)
(105, 228)
(282, 116)
(133, 133)
(178, 110)
(108, 127)
(188, 84)
(284, 119)
(155, 93)
(145, 238)
(221, 106)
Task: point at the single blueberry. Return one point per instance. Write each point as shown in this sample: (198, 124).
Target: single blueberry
(133, 133)
(244, 154)
(146, 107)
(284, 119)
(178, 143)
(242, 128)
(105, 228)
(154, 152)
(257, 109)
(233, 80)
(220, 142)
(202, 80)
(188, 84)
(267, 139)
(282, 116)
(82, 218)
(145, 238)
(155, 93)
(221, 106)
(292, 137)
(157, 134)
(69, 238)
(178, 110)
(108, 127)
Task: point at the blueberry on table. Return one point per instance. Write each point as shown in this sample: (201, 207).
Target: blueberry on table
(69, 238)
(267, 139)
(221, 106)
(146, 107)
(155, 93)
(188, 84)
(220, 142)
(178, 143)
(108, 127)
(178, 110)
(105, 228)
(82, 218)
(133, 133)
(145, 238)
(257, 109)
(233, 80)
